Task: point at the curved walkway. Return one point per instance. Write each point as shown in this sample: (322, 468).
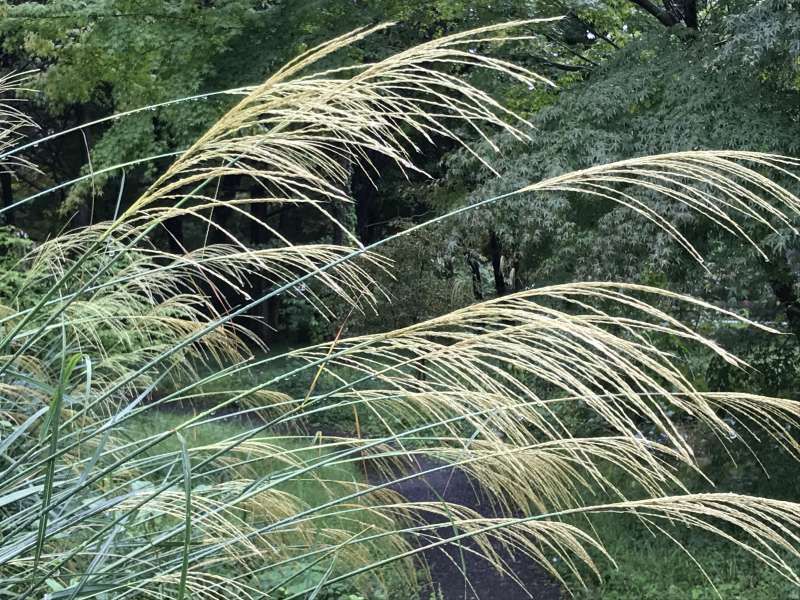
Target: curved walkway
(482, 581)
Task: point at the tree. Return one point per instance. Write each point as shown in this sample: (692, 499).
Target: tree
(658, 94)
(103, 57)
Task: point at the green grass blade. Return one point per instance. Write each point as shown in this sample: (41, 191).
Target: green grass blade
(97, 561)
(53, 422)
(187, 479)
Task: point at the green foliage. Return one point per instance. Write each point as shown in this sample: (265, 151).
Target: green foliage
(764, 36)
(110, 56)
(661, 93)
(653, 568)
(14, 246)
(105, 56)
(434, 281)
(774, 364)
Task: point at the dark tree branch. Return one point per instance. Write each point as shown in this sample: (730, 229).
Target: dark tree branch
(571, 51)
(591, 29)
(604, 37)
(561, 66)
(666, 18)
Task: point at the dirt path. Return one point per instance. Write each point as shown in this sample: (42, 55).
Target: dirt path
(482, 582)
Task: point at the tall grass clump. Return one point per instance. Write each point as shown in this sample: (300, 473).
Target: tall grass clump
(112, 489)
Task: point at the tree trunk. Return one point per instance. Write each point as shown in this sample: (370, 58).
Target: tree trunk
(174, 227)
(339, 215)
(516, 280)
(83, 216)
(8, 197)
(496, 253)
(690, 13)
(259, 237)
(258, 234)
(222, 214)
(475, 267)
(782, 281)
(364, 196)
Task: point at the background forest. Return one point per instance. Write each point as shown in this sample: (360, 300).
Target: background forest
(632, 78)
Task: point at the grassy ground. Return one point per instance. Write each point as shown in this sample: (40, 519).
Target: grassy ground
(330, 420)
(654, 568)
(327, 483)
(309, 489)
